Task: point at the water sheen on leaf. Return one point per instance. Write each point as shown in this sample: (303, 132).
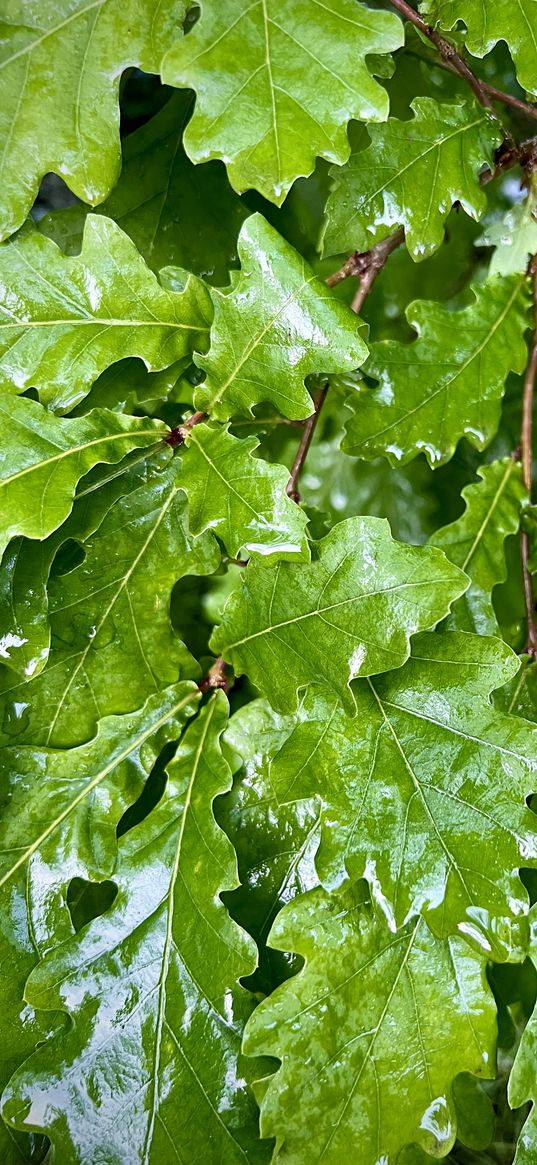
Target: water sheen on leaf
(489, 21)
(349, 612)
(277, 325)
(152, 1059)
(356, 1031)
(263, 65)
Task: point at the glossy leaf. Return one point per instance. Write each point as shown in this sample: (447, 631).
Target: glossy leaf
(268, 100)
(475, 542)
(174, 212)
(522, 1085)
(447, 384)
(355, 1030)
(112, 639)
(66, 119)
(489, 21)
(240, 497)
(152, 989)
(278, 324)
(296, 625)
(514, 237)
(410, 176)
(43, 457)
(70, 318)
(423, 793)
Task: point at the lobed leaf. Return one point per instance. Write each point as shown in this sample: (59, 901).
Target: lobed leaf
(349, 612)
(269, 98)
(448, 383)
(410, 176)
(72, 317)
(277, 325)
(489, 21)
(355, 1031)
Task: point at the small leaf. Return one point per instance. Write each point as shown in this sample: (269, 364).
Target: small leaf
(112, 639)
(410, 176)
(241, 497)
(514, 237)
(350, 612)
(174, 212)
(355, 1032)
(522, 1086)
(489, 21)
(73, 317)
(152, 989)
(43, 457)
(287, 80)
(77, 131)
(423, 793)
(278, 324)
(447, 384)
(475, 542)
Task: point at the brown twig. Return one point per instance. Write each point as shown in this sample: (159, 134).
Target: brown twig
(216, 677)
(360, 263)
(526, 454)
(305, 442)
(523, 107)
(177, 436)
(447, 51)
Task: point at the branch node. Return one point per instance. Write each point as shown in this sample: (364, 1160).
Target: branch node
(216, 678)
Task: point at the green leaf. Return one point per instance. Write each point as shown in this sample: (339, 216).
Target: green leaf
(275, 844)
(489, 21)
(410, 176)
(59, 816)
(522, 1082)
(358, 1028)
(73, 317)
(447, 384)
(277, 87)
(240, 497)
(174, 212)
(152, 990)
(278, 324)
(66, 118)
(475, 542)
(43, 457)
(112, 639)
(423, 793)
(350, 612)
(514, 237)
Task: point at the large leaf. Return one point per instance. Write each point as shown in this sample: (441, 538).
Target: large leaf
(152, 989)
(66, 118)
(350, 612)
(242, 498)
(173, 211)
(447, 384)
(277, 85)
(112, 639)
(475, 542)
(72, 317)
(277, 325)
(410, 176)
(59, 816)
(43, 457)
(424, 791)
(275, 844)
(489, 21)
(359, 1028)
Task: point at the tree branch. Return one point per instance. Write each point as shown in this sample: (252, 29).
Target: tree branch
(526, 452)
(303, 448)
(362, 262)
(523, 107)
(216, 677)
(177, 436)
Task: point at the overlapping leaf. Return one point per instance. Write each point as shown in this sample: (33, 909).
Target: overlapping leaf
(350, 612)
(424, 791)
(489, 21)
(356, 1031)
(410, 176)
(242, 498)
(278, 324)
(152, 1057)
(63, 320)
(174, 212)
(522, 1086)
(515, 237)
(475, 542)
(59, 816)
(448, 383)
(43, 457)
(277, 85)
(66, 118)
(112, 639)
